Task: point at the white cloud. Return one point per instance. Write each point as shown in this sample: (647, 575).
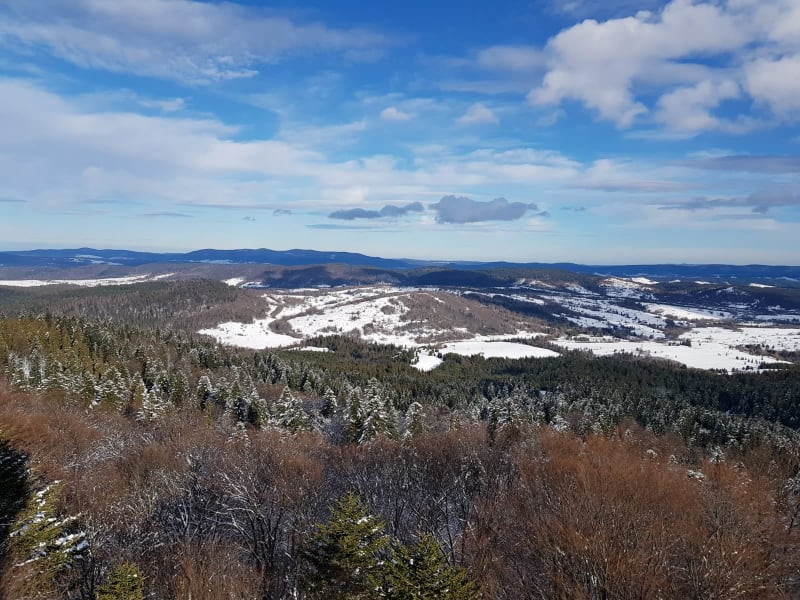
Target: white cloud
(190, 41)
(167, 106)
(478, 114)
(690, 57)
(511, 58)
(598, 63)
(689, 108)
(394, 114)
(776, 83)
(91, 152)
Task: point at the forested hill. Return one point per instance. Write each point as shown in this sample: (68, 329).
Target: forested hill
(67, 258)
(139, 459)
(154, 461)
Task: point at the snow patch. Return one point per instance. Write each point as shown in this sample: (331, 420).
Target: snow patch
(497, 350)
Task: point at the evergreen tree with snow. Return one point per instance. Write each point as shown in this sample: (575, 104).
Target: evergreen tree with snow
(504, 414)
(204, 393)
(154, 405)
(344, 557)
(125, 582)
(420, 572)
(378, 415)
(289, 413)
(329, 404)
(414, 423)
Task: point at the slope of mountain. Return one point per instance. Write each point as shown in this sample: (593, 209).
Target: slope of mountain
(66, 258)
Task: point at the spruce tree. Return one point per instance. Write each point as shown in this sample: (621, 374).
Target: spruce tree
(344, 557)
(125, 582)
(420, 572)
(289, 413)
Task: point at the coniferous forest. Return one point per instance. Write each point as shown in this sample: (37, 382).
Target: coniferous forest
(140, 460)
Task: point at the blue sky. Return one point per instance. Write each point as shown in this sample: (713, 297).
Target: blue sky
(599, 132)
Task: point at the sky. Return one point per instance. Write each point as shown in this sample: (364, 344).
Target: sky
(543, 130)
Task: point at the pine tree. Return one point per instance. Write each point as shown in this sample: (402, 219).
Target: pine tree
(504, 415)
(378, 415)
(289, 413)
(43, 543)
(204, 392)
(421, 571)
(414, 420)
(125, 582)
(329, 404)
(344, 557)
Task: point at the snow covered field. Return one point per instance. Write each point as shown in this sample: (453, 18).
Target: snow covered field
(773, 338)
(687, 314)
(421, 317)
(489, 349)
(131, 279)
(703, 356)
(379, 314)
(711, 347)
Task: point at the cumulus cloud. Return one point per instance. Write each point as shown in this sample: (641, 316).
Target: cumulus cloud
(388, 211)
(688, 56)
(195, 42)
(460, 209)
(478, 114)
(776, 83)
(394, 114)
(597, 63)
(689, 108)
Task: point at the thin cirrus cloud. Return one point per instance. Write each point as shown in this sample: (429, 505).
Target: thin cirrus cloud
(759, 203)
(166, 215)
(752, 164)
(191, 41)
(388, 211)
(460, 210)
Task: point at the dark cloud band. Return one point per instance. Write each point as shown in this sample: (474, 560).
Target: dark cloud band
(388, 211)
(460, 209)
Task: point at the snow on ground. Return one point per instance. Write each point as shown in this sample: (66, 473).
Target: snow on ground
(603, 314)
(778, 317)
(532, 283)
(234, 281)
(496, 349)
(130, 279)
(375, 314)
(256, 335)
(703, 282)
(643, 280)
(774, 338)
(624, 288)
(311, 349)
(426, 362)
(579, 289)
(700, 355)
(760, 285)
(686, 314)
(517, 297)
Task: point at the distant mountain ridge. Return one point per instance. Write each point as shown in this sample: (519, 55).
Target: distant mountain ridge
(65, 258)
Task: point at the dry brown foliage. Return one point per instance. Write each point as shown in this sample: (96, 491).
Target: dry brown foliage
(536, 515)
